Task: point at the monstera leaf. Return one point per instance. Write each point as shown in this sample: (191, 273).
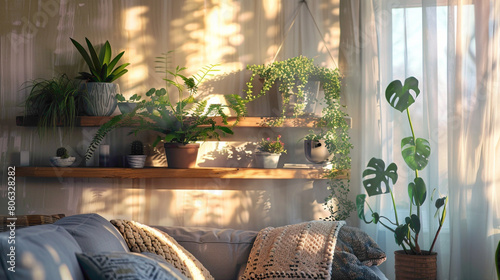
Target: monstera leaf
(416, 155)
(399, 95)
(375, 174)
(414, 223)
(417, 191)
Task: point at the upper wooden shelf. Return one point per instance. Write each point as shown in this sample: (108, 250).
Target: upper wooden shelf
(87, 121)
(163, 172)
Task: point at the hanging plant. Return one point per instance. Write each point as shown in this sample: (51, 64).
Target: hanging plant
(292, 76)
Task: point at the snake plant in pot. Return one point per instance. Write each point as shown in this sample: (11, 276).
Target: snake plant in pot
(376, 181)
(103, 70)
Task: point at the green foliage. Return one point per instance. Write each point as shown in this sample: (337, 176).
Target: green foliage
(183, 121)
(292, 77)
(55, 102)
(133, 98)
(101, 66)
(62, 153)
(136, 148)
(415, 152)
(272, 146)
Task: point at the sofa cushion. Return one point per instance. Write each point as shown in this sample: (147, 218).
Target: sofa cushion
(231, 247)
(126, 265)
(142, 238)
(94, 233)
(41, 252)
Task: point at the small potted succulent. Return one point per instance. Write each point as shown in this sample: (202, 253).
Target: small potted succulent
(62, 158)
(99, 87)
(136, 158)
(269, 153)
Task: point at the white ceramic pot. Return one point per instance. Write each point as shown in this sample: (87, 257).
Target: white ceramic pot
(136, 161)
(62, 162)
(101, 98)
(316, 151)
(266, 160)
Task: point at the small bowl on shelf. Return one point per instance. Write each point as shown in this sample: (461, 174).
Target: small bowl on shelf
(62, 162)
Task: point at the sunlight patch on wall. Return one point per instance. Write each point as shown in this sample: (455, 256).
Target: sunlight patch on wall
(136, 22)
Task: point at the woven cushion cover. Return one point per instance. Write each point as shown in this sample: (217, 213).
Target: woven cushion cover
(142, 238)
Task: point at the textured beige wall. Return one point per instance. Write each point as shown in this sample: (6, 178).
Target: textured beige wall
(34, 43)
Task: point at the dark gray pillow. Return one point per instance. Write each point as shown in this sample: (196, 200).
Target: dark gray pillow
(355, 252)
(123, 265)
(94, 233)
(41, 252)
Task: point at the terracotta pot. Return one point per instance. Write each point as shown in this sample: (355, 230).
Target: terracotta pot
(180, 155)
(101, 98)
(266, 160)
(415, 266)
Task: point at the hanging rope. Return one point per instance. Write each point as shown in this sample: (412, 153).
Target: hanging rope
(317, 28)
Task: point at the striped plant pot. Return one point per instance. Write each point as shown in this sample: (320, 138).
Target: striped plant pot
(100, 98)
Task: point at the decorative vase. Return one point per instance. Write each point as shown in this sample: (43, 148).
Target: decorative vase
(101, 98)
(316, 151)
(266, 160)
(415, 266)
(136, 161)
(181, 155)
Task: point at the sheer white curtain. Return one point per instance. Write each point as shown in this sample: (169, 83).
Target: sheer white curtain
(452, 48)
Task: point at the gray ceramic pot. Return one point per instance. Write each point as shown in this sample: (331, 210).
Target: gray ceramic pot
(101, 98)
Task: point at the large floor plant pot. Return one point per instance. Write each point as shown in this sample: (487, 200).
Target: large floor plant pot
(266, 160)
(316, 151)
(101, 98)
(415, 266)
(180, 155)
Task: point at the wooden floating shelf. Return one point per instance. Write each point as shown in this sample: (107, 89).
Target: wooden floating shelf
(87, 121)
(163, 172)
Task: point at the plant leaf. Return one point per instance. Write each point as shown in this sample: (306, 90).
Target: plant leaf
(417, 191)
(399, 96)
(360, 207)
(400, 233)
(415, 223)
(416, 155)
(376, 173)
(96, 63)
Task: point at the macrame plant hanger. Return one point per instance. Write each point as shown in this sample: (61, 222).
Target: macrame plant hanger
(301, 4)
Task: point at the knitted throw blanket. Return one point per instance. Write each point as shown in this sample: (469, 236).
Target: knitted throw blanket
(296, 251)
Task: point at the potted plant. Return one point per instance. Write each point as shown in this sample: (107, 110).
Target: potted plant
(315, 149)
(99, 86)
(127, 106)
(294, 77)
(62, 158)
(53, 102)
(136, 158)
(178, 124)
(415, 152)
(269, 153)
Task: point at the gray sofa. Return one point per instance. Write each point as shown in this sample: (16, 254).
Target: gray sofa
(48, 251)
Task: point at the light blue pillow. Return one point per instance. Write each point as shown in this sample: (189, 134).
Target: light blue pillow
(121, 265)
(94, 233)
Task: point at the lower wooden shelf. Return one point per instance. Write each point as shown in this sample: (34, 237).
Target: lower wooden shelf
(163, 172)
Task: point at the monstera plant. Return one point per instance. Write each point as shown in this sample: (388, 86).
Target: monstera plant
(378, 176)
